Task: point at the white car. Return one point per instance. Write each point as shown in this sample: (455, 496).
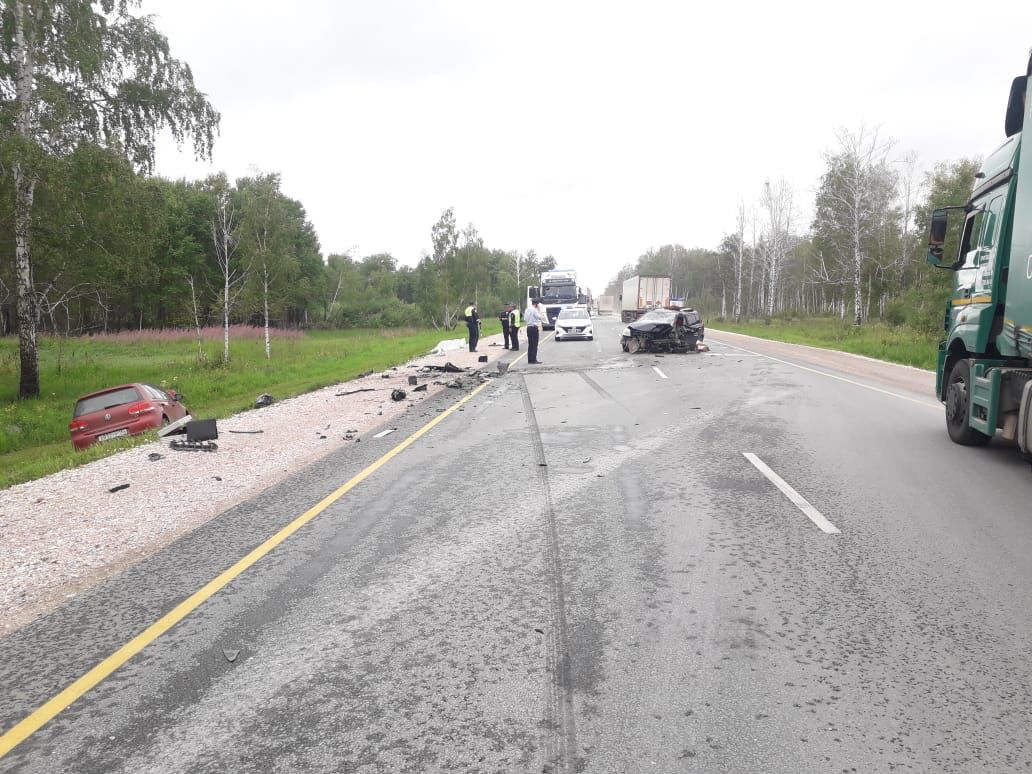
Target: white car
(573, 323)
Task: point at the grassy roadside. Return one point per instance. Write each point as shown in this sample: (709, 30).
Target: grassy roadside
(34, 433)
(894, 344)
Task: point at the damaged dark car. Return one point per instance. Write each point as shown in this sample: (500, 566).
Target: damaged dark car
(664, 330)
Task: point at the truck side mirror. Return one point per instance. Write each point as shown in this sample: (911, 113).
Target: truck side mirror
(1016, 106)
(937, 237)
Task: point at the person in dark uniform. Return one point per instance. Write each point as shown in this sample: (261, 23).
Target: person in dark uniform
(504, 319)
(472, 326)
(515, 321)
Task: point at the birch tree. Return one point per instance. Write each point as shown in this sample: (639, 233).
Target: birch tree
(852, 202)
(739, 261)
(226, 240)
(82, 70)
(777, 202)
(266, 230)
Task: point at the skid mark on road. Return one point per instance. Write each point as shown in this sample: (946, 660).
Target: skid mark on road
(925, 403)
(603, 393)
(561, 742)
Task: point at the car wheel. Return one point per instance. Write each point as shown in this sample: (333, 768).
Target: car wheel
(958, 408)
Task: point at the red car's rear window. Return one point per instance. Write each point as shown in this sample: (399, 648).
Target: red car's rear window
(106, 400)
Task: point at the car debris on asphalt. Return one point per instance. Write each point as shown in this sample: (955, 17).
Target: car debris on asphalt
(264, 400)
(183, 445)
(118, 488)
(398, 395)
(352, 392)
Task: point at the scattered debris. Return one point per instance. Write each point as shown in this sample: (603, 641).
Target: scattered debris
(385, 376)
(413, 380)
(348, 437)
(352, 392)
(540, 631)
(482, 359)
(181, 445)
(174, 428)
(118, 488)
(503, 367)
(420, 388)
(202, 430)
(264, 400)
(454, 383)
(231, 655)
(217, 478)
(154, 456)
(398, 395)
(246, 432)
(449, 368)
(382, 433)
(322, 437)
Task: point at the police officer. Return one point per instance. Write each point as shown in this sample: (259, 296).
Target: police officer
(504, 319)
(515, 321)
(472, 326)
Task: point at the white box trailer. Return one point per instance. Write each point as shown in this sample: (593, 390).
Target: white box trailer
(641, 294)
(606, 304)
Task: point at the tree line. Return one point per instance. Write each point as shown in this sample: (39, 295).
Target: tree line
(95, 243)
(860, 256)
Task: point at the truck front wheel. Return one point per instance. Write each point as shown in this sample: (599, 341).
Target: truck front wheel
(958, 408)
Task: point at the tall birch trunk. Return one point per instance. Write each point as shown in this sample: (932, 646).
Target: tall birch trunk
(24, 194)
(265, 295)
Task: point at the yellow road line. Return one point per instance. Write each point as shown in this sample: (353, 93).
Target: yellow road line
(925, 403)
(58, 703)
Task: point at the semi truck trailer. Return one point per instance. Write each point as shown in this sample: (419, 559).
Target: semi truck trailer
(984, 371)
(557, 289)
(641, 294)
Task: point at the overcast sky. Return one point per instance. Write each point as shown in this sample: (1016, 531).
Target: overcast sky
(589, 130)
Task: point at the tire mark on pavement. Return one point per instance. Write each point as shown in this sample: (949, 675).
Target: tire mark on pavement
(560, 745)
(603, 393)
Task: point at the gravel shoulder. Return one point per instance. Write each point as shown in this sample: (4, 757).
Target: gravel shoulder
(67, 532)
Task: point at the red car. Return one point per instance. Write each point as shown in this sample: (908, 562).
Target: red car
(120, 411)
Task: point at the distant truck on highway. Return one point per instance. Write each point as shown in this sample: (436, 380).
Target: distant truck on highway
(640, 294)
(606, 304)
(557, 289)
(983, 374)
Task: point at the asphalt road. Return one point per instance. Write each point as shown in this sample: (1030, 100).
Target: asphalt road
(580, 570)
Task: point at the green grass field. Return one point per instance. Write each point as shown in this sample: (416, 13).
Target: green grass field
(894, 344)
(34, 439)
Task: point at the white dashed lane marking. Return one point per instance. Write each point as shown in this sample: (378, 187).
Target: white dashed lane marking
(797, 499)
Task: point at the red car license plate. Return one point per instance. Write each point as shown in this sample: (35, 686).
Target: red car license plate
(116, 434)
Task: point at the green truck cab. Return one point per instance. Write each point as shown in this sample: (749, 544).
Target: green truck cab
(984, 370)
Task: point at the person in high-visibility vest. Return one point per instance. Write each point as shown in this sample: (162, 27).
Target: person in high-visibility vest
(472, 326)
(515, 321)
